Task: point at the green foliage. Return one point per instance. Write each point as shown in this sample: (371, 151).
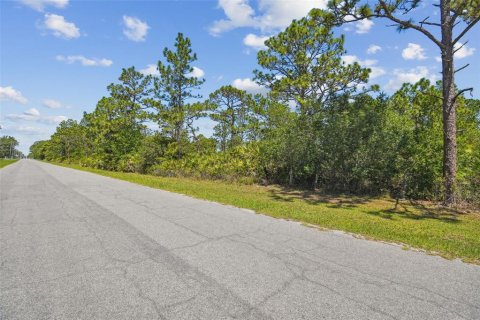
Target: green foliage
(173, 90)
(455, 20)
(115, 129)
(233, 112)
(237, 164)
(38, 150)
(313, 129)
(68, 142)
(6, 162)
(8, 146)
(303, 64)
(469, 150)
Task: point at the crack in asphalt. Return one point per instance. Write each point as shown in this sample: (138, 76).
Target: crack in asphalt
(126, 248)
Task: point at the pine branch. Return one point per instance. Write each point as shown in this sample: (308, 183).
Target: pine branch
(460, 69)
(460, 93)
(406, 24)
(469, 26)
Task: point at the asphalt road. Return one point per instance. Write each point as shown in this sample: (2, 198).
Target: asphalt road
(75, 245)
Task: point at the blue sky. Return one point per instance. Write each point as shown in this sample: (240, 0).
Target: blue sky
(58, 56)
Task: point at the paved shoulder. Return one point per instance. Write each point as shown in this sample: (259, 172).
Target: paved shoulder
(83, 246)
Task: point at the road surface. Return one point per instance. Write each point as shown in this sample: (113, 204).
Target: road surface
(75, 245)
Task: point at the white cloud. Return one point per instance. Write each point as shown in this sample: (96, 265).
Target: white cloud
(414, 51)
(33, 114)
(375, 71)
(39, 5)
(463, 51)
(271, 15)
(254, 41)
(238, 13)
(151, 69)
(9, 93)
(279, 14)
(55, 119)
(87, 62)
(135, 29)
(26, 130)
(363, 26)
(349, 59)
(373, 48)
(52, 104)
(249, 85)
(196, 73)
(60, 27)
(402, 76)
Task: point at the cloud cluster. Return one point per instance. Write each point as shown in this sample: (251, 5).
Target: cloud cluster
(10, 94)
(375, 71)
(135, 29)
(360, 26)
(373, 48)
(463, 51)
(40, 5)
(151, 69)
(60, 27)
(256, 42)
(414, 51)
(363, 26)
(249, 85)
(238, 13)
(87, 62)
(196, 73)
(401, 76)
(272, 14)
(33, 114)
(52, 104)
(26, 130)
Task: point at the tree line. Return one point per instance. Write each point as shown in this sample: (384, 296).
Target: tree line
(8, 148)
(319, 126)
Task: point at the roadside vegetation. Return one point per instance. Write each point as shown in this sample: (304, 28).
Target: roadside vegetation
(8, 148)
(6, 162)
(319, 124)
(8, 151)
(315, 122)
(421, 225)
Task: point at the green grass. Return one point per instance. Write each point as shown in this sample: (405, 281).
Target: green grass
(423, 226)
(6, 162)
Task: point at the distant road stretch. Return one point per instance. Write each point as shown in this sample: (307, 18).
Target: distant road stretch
(75, 245)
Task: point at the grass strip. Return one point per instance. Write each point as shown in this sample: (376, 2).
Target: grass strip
(6, 162)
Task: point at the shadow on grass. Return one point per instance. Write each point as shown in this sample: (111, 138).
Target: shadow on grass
(314, 198)
(403, 209)
(418, 211)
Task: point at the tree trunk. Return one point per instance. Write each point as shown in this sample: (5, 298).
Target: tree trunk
(177, 133)
(290, 177)
(449, 136)
(449, 108)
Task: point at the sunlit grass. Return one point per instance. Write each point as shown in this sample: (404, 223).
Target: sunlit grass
(424, 226)
(6, 162)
